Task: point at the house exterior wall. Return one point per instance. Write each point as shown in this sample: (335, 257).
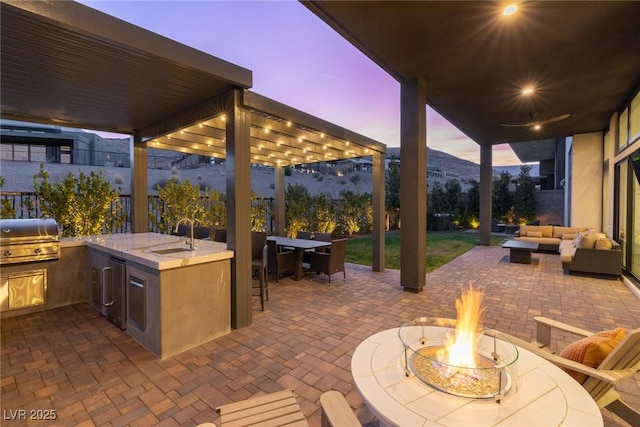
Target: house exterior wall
(586, 182)
(550, 209)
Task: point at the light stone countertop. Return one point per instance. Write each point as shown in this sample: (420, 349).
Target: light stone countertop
(139, 248)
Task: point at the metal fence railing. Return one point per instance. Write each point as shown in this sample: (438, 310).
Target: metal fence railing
(26, 205)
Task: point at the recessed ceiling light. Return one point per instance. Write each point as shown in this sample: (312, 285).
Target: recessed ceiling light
(510, 10)
(527, 90)
(537, 127)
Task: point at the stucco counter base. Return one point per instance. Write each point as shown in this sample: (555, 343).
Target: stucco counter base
(184, 307)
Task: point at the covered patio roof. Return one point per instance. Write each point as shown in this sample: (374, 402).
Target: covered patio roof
(98, 72)
(280, 136)
(582, 58)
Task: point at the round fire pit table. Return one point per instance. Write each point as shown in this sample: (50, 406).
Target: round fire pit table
(543, 395)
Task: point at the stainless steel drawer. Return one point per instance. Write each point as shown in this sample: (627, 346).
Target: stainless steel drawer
(23, 289)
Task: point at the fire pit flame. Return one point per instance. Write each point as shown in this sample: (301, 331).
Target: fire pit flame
(459, 356)
(460, 349)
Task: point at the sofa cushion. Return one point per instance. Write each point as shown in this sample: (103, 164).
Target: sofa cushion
(603, 243)
(567, 250)
(558, 231)
(534, 234)
(588, 241)
(568, 236)
(592, 350)
(546, 230)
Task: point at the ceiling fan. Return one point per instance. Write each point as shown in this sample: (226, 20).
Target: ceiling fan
(536, 124)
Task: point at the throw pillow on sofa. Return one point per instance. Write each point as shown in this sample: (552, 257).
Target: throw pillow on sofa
(592, 350)
(534, 234)
(603, 243)
(588, 241)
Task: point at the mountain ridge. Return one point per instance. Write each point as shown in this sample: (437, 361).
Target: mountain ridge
(465, 169)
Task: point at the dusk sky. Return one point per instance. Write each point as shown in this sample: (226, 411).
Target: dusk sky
(297, 60)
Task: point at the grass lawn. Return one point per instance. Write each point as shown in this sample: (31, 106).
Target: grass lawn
(442, 247)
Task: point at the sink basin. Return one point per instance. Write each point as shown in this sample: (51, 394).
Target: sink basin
(171, 251)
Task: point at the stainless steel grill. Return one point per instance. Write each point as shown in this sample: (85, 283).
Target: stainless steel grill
(28, 240)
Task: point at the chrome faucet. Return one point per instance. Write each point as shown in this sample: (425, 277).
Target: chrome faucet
(190, 222)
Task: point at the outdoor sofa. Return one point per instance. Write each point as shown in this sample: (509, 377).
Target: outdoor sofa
(548, 237)
(581, 250)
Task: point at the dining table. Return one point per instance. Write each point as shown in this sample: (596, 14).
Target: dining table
(544, 394)
(299, 246)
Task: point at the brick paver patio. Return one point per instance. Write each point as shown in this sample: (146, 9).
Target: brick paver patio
(91, 373)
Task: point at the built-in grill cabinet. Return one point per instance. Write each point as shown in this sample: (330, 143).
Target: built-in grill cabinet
(25, 241)
(28, 240)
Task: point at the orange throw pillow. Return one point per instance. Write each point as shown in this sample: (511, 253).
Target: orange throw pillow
(592, 350)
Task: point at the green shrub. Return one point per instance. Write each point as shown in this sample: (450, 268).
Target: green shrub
(323, 217)
(176, 200)
(296, 212)
(356, 212)
(214, 208)
(6, 210)
(82, 206)
(258, 213)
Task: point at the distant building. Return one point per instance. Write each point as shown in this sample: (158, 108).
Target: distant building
(30, 142)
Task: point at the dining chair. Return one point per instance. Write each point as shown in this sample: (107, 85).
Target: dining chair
(280, 260)
(259, 252)
(307, 235)
(304, 235)
(220, 235)
(323, 237)
(199, 231)
(623, 361)
(330, 262)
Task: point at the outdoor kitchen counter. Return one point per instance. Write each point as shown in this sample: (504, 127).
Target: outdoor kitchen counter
(173, 301)
(139, 247)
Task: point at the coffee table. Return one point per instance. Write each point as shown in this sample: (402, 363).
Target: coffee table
(520, 252)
